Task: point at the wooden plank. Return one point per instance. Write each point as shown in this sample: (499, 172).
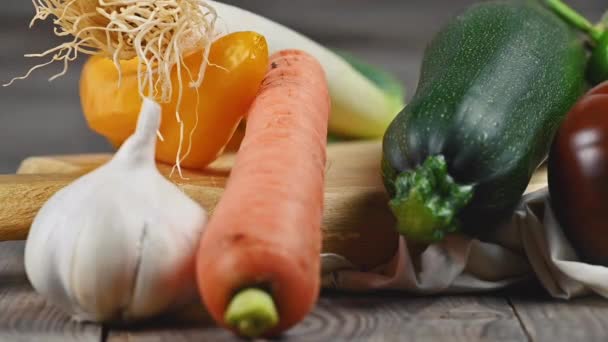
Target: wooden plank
(12, 268)
(168, 330)
(351, 164)
(547, 320)
(26, 316)
(403, 318)
(357, 223)
(14, 206)
(374, 318)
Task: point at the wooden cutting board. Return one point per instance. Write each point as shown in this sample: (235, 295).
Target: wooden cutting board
(349, 165)
(357, 222)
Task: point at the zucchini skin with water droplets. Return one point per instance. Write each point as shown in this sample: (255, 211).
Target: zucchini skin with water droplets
(496, 83)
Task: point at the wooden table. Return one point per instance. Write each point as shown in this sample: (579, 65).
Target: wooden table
(519, 315)
(36, 118)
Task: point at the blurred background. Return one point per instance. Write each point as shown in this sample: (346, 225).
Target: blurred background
(38, 117)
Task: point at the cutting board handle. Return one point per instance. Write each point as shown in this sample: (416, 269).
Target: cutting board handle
(357, 223)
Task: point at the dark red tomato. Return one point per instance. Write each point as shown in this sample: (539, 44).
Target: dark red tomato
(578, 176)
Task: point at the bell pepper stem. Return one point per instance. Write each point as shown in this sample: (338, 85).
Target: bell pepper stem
(252, 312)
(427, 202)
(575, 19)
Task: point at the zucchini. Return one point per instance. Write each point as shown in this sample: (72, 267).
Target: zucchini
(496, 83)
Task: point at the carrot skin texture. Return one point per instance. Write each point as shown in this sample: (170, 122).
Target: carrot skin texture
(266, 230)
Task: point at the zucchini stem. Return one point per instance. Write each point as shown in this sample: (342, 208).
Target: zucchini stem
(252, 312)
(428, 201)
(576, 19)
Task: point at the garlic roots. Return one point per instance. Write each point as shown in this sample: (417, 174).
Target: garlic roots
(119, 243)
(158, 33)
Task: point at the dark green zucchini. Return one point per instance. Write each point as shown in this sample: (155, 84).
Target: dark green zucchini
(496, 83)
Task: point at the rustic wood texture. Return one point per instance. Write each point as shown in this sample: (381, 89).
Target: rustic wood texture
(402, 318)
(25, 316)
(339, 317)
(356, 219)
(584, 319)
(40, 119)
(21, 198)
(357, 223)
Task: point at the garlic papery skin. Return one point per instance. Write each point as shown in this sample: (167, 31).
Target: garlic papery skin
(119, 243)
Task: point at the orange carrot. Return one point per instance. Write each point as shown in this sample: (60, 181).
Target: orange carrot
(258, 264)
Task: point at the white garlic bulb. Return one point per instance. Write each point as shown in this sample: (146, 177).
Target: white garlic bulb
(118, 244)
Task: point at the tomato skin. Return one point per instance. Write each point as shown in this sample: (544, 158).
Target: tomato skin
(238, 64)
(578, 176)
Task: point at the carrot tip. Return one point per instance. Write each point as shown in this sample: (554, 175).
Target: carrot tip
(252, 312)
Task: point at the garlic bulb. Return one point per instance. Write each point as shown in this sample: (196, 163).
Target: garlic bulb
(119, 243)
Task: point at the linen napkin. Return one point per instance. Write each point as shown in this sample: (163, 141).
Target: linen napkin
(530, 244)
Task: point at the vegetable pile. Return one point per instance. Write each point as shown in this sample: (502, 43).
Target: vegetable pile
(120, 254)
(500, 89)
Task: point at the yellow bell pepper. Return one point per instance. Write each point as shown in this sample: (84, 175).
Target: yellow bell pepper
(237, 65)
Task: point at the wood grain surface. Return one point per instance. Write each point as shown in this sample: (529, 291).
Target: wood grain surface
(38, 118)
(24, 315)
(585, 319)
(19, 194)
(340, 317)
(357, 223)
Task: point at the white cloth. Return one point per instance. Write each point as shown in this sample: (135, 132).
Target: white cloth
(531, 244)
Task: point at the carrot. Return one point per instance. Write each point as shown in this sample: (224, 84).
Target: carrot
(258, 265)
